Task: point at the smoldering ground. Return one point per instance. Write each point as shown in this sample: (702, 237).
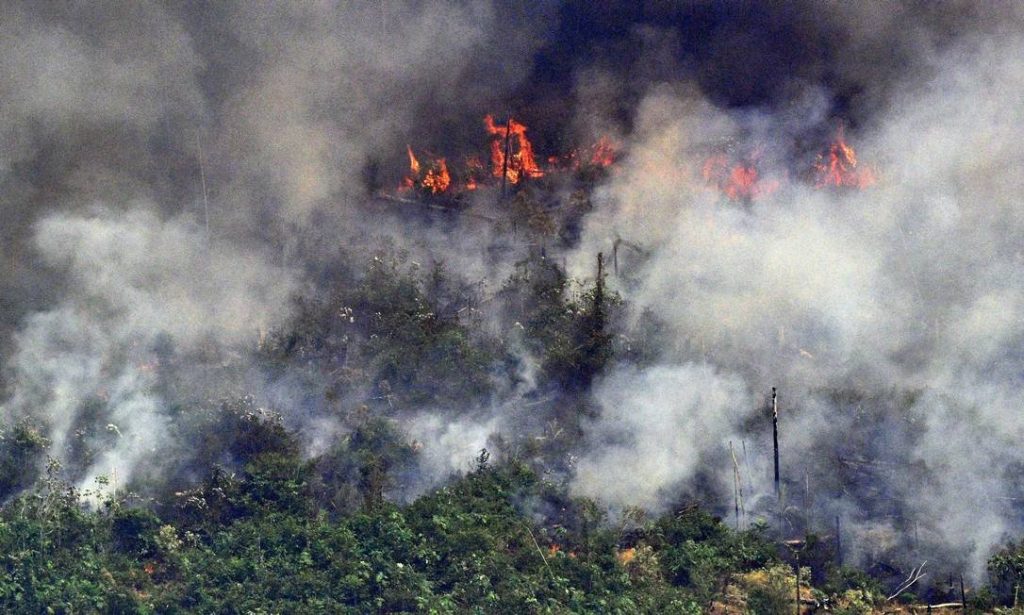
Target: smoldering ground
(172, 173)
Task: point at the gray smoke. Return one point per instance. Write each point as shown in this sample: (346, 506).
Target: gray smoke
(910, 288)
(888, 318)
(161, 163)
(133, 282)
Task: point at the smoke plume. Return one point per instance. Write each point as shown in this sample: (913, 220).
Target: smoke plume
(175, 174)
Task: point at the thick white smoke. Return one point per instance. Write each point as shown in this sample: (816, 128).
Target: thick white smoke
(913, 286)
(133, 282)
(261, 116)
(653, 428)
(905, 297)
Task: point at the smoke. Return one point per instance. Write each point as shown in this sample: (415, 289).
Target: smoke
(448, 447)
(905, 296)
(888, 318)
(642, 449)
(139, 290)
(171, 170)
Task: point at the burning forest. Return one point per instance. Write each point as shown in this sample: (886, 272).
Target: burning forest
(512, 163)
(478, 306)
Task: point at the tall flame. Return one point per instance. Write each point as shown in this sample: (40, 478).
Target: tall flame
(414, 165)
(838, 166)
(409, 180)
(521, 161)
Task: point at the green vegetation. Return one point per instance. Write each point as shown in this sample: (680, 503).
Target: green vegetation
(259, 541)
(238, 515)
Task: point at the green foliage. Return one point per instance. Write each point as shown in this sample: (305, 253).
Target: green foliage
(403, 334)
(22, 448)
(846, 579)
(1006, 573)
(567, 326)
(361, 468)
(241, 521)
(259, 542)
(133, 531)
(774, 592)
(698, 551)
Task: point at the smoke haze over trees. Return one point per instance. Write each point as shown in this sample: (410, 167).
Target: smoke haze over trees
(200, 237)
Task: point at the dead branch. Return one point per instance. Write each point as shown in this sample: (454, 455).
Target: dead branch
(914, 577)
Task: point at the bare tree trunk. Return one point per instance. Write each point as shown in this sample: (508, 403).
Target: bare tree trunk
(508, 152)
(202, 179)
(775, 442)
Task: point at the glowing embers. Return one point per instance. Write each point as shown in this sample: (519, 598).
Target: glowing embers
(737, 179)
(436, 179)
(511, 152)
(837, 167)
(603, 153)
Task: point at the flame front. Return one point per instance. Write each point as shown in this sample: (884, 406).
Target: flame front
(512, 158)
(838, 167)
(520, 160)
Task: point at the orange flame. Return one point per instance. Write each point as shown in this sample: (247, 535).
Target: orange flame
(437, 178)
(521, 161)
(838, 167)
(434, 176)
(409, 180)
(740, 181)
(414, 165)
(555, 549)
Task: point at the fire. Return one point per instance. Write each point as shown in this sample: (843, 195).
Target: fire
(739, 181)
(437, 178)
(555, 549)
(516, 162)
(603, 153)
(409, 180)
(512, 158)
(414, 165)
(838, 167)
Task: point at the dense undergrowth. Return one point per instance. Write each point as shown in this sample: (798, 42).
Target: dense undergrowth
(239, 513)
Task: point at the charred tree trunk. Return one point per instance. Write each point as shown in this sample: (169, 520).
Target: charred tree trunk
(839, 543)
(775, 442)
(508, 152)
